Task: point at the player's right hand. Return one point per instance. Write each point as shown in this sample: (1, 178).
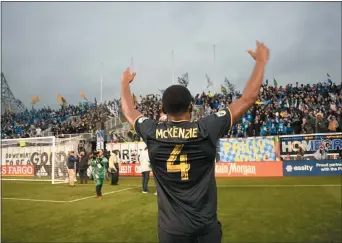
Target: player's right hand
(127, 76)
(261, 54)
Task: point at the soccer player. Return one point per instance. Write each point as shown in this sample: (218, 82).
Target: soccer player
(182, 155)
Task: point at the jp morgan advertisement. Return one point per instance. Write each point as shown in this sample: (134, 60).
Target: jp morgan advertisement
(315, 146)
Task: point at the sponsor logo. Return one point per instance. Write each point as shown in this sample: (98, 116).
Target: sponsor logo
(17, 170)
(221, 113)
(42, 172)
(142, 119)
(302, 168)
(248, 169)
(289, 168)
(242, 169)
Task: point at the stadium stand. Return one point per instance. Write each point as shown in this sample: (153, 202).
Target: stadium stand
(293, 109)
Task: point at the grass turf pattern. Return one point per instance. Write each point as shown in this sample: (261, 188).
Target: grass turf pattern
(284, 209)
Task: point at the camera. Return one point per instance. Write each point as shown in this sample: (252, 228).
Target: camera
(95, 154)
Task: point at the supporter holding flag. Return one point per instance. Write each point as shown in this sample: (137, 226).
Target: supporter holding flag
(329, 79)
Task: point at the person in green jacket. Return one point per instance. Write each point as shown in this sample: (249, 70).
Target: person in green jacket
(99, 165)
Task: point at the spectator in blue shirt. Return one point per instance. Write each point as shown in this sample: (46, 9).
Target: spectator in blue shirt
(263, 131)
(289, 129)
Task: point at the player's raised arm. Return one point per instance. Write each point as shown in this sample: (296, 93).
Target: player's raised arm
(127, 101)
(252, 88)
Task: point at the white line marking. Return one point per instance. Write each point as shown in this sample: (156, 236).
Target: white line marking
(32, 200)
(106, 193)
(328, 185)
(338, 185)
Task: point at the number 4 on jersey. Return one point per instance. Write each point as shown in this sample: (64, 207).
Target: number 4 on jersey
(183, 167)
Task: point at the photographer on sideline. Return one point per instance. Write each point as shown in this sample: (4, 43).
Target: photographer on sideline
(99, 164)
(71, 168)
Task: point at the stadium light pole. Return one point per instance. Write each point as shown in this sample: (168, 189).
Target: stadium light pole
(101, 84)
(214, 52)
(132, 65)
(173, 67)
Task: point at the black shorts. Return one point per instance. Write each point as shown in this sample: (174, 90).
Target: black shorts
(214, 236)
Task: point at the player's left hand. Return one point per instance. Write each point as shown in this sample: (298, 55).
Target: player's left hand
(127, 77)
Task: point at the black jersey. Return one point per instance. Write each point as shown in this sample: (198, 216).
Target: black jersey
(182, 157)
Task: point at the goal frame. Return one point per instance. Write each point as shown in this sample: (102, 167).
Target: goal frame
(52, 141)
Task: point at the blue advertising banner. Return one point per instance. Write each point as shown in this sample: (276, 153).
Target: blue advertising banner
(312, 167)
(247, 150)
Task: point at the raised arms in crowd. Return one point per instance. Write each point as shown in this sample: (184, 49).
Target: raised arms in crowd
(237, 108)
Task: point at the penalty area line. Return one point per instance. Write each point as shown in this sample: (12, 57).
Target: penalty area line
(106, 193)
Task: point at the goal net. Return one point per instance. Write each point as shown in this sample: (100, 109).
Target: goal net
(36, 159)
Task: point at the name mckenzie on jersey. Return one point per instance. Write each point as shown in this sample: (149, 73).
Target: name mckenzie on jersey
(177, 132)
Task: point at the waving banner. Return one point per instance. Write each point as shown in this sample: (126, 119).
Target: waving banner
(248, 150)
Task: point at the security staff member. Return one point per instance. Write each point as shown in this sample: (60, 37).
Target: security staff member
(114, 167)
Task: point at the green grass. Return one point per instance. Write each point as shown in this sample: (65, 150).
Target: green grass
(248, 211)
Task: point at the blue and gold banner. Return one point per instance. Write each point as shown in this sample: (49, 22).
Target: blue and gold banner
(248, 150)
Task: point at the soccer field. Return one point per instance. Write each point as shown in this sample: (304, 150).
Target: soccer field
(286, 209)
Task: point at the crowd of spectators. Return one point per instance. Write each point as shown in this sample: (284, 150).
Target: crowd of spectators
(69, 119)
(293, 109)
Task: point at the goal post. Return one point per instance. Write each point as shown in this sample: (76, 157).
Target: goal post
(36, 159)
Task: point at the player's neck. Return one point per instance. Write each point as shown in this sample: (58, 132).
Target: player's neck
(179, 118)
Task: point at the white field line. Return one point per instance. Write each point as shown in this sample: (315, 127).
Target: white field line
(327, 185)
(32, 200)
(71, 201)
(106, 193)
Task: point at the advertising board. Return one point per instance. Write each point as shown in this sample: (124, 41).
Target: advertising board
(17, 170)
(249, 169)
(40, 157)
(312, 168)
(245, 169)
(315, 146)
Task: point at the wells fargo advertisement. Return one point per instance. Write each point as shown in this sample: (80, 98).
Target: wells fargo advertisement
(17, 170)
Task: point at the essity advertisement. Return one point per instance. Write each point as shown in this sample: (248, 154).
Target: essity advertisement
(312, 168)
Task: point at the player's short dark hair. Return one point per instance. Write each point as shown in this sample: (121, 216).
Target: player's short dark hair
(176, 100)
